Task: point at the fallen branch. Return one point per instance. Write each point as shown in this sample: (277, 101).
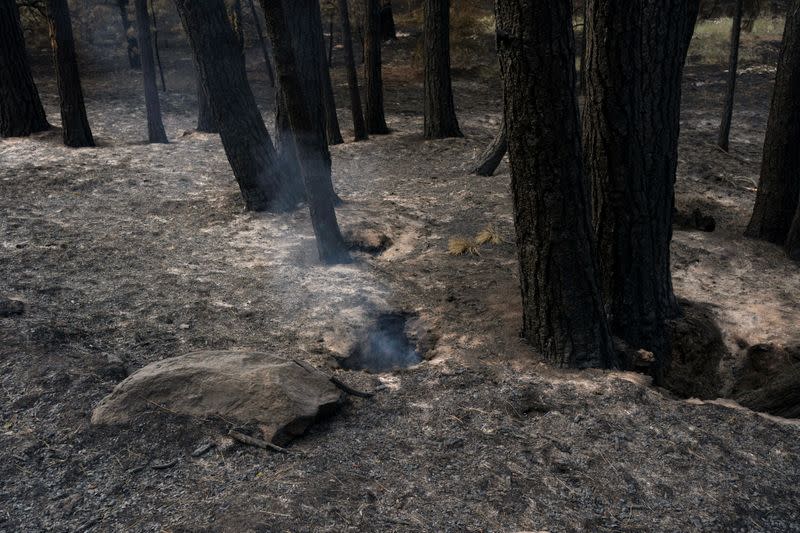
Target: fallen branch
(349, 390)
(258, 443)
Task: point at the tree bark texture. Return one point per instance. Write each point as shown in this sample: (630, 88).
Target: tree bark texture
(563, 316)
(733, 62)
(631, 119)
(244, 136)
(205, 117)
(493, 155)
(21, 111)
(74, 124)
(128, 33)
(309, 138)
(359, 127)
(155, 127)
(376, 120)
(779, 184)
(440, 111)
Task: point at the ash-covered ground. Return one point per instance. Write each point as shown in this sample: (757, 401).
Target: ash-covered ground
(129, 253)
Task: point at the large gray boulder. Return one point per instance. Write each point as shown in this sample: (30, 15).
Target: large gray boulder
(279, 394)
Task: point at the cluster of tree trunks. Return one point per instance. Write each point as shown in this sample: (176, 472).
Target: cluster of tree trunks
(21, 111)
(776, 214)
(74, 124)
(376, 120)
(563, 315)
(359, 126)
(440, 114)
(635, 53)
(155, 127)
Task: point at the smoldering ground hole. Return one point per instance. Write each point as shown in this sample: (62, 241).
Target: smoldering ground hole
(384, 346)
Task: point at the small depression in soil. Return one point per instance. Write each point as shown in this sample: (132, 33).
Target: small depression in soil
(385, 346)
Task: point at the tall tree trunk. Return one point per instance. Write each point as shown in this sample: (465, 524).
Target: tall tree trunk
(493, 155)
(779, 184)
(242, 131)
(263, 43)
(205, 117)
(155, 47)
(332, 130)
(388, 30)
(309, 139)
(440, 112)
(359, 128)
(21, 111)
(631, 119)
(376, 121)
(733, 63)
(235, 16)
(563, 313)
(155, 128)
(330, 40)
(74, 124)
(128, 33)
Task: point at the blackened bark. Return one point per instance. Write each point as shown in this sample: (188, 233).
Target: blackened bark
(779, 184)
(376, 120)
(74, 124)
(235, 16)
(309, 139)
(631, 119)
(21, 111)
(205, 117)
(493, 155)
(440, 112)
(563, 313)
(155, 127)
(242, 131)
(330, 40)
(792, 244)
(359, 128)
(262, 42)
(155, 47)
(733, 63)
(332, 130)
(128, 33)
(388, 29)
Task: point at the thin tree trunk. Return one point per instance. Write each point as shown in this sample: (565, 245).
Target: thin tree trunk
(75, 128)
(359, 128)
(128, 33)
(388, 30)
(262, 41)
(440, 112)
(733, 62)
(330, 40)
(21, 111)
(376, 120)
(309, 139)
(631, 120)
(778, 196)
(493, 155)
(155, 127)
(563, 316)
(242, 131)
(332, 130)
(155, 46)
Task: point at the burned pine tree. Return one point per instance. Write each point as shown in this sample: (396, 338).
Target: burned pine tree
(74, 124)
(310, 141)
(440, 112)
(244, 136)
(376, 120)
(262, 42)
(359, 127)
(155, 127)
(129, 34)
(631, 119)
(733, 62)
(491, 157)
(332, 130)
(563, 315)
(21, 111)
(205, 117)
(779, 185)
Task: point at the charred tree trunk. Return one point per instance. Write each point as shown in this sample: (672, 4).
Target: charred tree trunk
(128, 33)
(21, 111)
(563, 316)
(440, 111)
(631, 120)
(263, 43)
(309, 139)
(376, 121)
(330, 40)
(74, 124)
(491, 158)
(244, 135)
(792, 244)
(733, 63)
(155, 128)
(332, 130)
(779, 184)
(359, 128)
(235, 16)
(388, 29)
(155, 47)
(205, 117)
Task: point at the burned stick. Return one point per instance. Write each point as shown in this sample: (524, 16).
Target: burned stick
(258, 443)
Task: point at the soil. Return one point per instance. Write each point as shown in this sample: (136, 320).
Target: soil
(130, 253)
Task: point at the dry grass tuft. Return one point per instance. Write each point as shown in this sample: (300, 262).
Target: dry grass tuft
(489, 235)
(462, 246)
